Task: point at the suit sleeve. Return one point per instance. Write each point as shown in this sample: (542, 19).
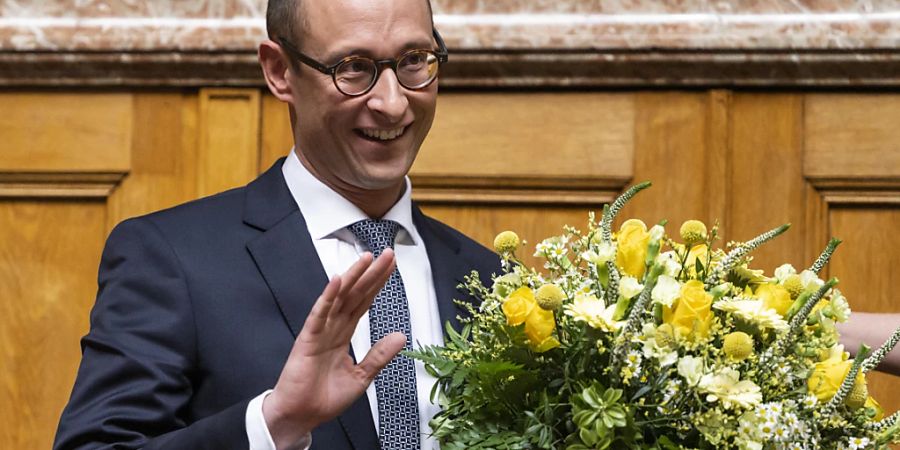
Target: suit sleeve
(139, 358)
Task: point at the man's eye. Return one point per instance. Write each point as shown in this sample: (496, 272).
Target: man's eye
(358, 66)
(355, 67)
(413, 60)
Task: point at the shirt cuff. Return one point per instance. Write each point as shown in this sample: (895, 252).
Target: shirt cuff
(258, 432)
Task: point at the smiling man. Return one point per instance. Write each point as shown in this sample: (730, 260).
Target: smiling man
(260, 317)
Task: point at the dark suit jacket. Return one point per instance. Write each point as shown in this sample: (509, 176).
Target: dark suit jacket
(197, 309)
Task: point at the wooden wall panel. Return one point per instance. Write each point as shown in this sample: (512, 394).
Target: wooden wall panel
(866, 261)
(671, 152)
(49, 252)
(65, 132)
(164, 156)
(853, 136)
(228, 155)
(567, 135)
(766, 177)
(277, 138)
(482, 223)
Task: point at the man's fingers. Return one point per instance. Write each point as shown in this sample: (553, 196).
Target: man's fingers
(371, 282)
(350, 278)
(381, 353)
(318, 316)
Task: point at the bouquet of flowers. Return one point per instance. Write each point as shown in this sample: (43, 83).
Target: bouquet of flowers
(635, 340)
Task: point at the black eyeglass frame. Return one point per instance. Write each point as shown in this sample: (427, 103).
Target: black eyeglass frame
(441, 54)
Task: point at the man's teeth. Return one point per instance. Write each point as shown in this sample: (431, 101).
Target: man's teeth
(383, 135)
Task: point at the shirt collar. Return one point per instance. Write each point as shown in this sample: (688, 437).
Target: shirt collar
(328, 214)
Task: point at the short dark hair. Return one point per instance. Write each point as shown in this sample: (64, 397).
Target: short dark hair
(282, 19)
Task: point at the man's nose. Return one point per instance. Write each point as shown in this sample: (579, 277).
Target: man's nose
(388, 97)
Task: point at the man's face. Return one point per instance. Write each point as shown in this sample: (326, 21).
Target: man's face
(365, 143)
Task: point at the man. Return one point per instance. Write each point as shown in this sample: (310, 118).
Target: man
(216, 325)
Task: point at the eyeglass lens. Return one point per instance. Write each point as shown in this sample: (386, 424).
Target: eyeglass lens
(414, 70)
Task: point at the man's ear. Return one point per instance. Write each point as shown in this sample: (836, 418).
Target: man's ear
(276, 71)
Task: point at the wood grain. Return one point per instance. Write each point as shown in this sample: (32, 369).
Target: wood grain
(483, 223)
(65, 132)
(276, 135)
(164, 161)
(852, 136)
(228, 155)
(495, 135)
(49, 252)
(670, 151)
(766, 178)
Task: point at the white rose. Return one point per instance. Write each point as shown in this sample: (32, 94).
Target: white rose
(810, 281)
(629, 287)
(669, 261)
(783, 271)
(691, 368)
(606, 251)
(666, 290)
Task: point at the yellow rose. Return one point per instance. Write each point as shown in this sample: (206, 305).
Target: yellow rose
(518, 305)
(775, 297)
(521, 307)
(827, 377)
(631, 243)
(691, 311)
(539, 326)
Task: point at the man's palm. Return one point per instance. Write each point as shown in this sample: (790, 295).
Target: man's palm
(320, 379)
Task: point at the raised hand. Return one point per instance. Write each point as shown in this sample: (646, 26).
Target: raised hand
(319, 379)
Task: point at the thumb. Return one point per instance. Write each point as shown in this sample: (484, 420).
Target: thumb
(381, 354)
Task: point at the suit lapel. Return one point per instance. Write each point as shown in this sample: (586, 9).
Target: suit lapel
(287, 259)
(447, 268)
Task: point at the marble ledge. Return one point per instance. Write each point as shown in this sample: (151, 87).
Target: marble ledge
(256, 8)
(826, 31)
(493, 43)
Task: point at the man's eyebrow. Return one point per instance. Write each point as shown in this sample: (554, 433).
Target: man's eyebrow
(337, 55)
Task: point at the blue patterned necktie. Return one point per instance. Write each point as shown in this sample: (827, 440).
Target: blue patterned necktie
(395, 385)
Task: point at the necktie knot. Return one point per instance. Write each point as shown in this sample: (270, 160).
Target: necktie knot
(376, 234)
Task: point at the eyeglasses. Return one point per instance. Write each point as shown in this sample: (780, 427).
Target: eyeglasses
(356, 75)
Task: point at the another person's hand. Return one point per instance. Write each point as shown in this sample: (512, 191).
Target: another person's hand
(872, 329)
(319, 379)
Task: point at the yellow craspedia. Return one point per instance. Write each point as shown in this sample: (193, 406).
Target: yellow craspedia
(858, 395)
(506, 242)
(738, 345)
(693, 232)
(794, 286)
(549, 297)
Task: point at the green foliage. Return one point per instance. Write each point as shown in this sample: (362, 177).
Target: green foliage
(601, 418)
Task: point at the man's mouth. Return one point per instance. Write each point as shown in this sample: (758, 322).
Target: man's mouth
(379, 134)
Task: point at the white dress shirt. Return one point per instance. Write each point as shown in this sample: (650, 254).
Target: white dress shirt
(327, 215)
